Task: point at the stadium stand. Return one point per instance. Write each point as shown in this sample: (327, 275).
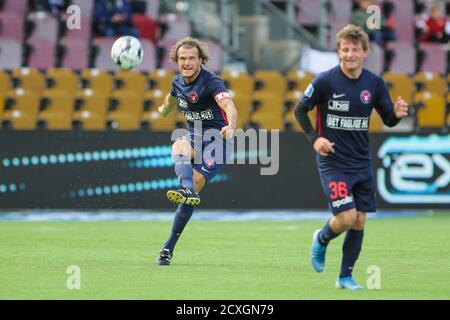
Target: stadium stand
(400, 84)
(55, 110)
(90, 111)
(430, 110)
(20, 110)
(97, 80)
(40, 58)
(10, 54)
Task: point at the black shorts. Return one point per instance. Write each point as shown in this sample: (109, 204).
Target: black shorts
(346, 191)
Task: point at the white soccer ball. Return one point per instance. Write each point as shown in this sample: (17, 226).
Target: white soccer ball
(127, 52)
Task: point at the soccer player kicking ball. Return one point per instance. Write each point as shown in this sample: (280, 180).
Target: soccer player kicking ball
(345, 96)
(206, 105)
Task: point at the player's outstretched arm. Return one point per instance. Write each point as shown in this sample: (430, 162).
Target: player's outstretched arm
(169, 103)
(228, 106)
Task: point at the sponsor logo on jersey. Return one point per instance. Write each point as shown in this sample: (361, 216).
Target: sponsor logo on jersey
(347, 123)
(341, 202)
(193, 97)
(337, 96)
(338, 105)
(194, 116)
(182, 103)
(309, 91)
(366, 96)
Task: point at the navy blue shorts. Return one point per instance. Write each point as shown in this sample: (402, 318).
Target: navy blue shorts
(346, 191)
(211, 155)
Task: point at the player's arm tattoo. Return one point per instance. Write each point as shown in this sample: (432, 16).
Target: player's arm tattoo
(301, 115)
(228, 106)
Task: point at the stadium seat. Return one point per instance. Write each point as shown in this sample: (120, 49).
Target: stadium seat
(241, 83)
(164, 47)
(56, 107)
(102, 47)
(130, 81)
(125, 111)
(11, 26)
(5, 83)
(400, 84)
(435, 58)
(298, 80)
(376, 123)
(404, 57)
(21, 109)
(97, 80)
(82, 34)
(149, 58)
(90, 111)
(161, 79)
(340, 14)
(215, 53)
(178, 26)
(62, 79)
(429, 81)
(42, 54)
(18, 7)
(153, 99)
(154, 121)
(10, 54)
(270, 81)
(375, 60)
(46, 27)
(268, 112)
(29, 79)
(152, 8)
(430, 110)
(403, 15)
(86, 6)
(308, 12)
(243, 104)
(75, 54)
(290, 102)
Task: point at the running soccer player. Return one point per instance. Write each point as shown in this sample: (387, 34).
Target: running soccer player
(207, 105)
(345, 96)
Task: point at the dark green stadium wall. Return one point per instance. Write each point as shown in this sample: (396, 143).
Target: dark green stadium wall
(123, 170)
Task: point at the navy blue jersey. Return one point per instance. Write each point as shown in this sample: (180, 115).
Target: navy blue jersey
(344, 107)
(198, 100)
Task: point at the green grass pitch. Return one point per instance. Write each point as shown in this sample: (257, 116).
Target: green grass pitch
(218, 260)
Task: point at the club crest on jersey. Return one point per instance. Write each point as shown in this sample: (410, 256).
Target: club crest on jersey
(366, 96)
(210, 163)
(193, 97)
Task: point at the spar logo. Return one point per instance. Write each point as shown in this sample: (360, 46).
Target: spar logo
(415, 170)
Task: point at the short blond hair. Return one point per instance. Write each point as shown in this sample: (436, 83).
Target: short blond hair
(355, 34)
(189, 43)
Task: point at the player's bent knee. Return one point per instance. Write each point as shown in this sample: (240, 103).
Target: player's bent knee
(360, 221)
(182, 146)
(347, 219)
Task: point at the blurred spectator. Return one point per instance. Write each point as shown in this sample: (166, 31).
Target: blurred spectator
(114, 18)
(56, 7)
(436, 27)
(147, 27)
(360, 16)
(388, 29)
